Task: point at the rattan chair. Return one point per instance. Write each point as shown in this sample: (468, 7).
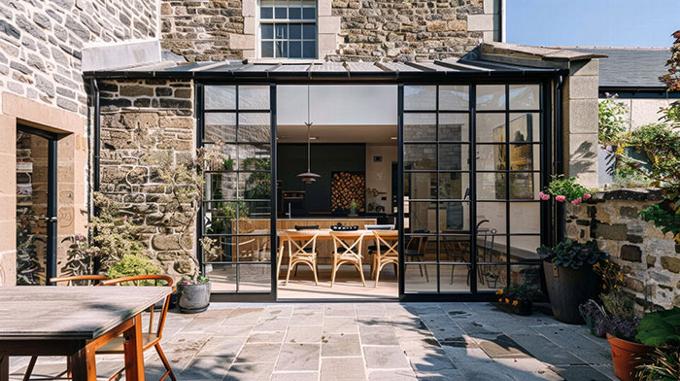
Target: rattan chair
(154, 334)
(301, 250)
(347, 251)
(386, 242)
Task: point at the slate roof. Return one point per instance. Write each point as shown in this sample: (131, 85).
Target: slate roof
(630, 68)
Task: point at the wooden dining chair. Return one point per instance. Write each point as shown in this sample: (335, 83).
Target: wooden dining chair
(347, 251)
(386, 243)
(154, 334)
(301, 250)
(75, 280)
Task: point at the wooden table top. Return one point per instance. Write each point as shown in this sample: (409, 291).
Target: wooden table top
(77, 313)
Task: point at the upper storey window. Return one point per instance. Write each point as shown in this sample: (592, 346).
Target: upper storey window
(288, 29)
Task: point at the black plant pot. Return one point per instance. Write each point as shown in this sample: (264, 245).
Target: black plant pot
(569, 288)
(194, 298)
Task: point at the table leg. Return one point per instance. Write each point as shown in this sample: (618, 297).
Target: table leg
(134, 355)
(83, 364)
(4, 367)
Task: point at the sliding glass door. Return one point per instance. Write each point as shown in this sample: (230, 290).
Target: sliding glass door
(471, 170)
(237, 126)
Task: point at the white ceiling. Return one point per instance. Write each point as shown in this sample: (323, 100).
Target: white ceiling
(339, 113)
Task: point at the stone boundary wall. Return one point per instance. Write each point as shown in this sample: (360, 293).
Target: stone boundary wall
(41, 43)
(161, 113)
(649, 258)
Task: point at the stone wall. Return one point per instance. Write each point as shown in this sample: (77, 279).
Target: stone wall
(368, 30)
(143, 121)
(41, 41)
(649, 258)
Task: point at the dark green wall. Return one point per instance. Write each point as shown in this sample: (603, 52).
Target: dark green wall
(326, 159)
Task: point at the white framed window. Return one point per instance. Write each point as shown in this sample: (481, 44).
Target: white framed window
(288, 29)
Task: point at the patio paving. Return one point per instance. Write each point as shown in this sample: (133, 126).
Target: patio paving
(369, 341)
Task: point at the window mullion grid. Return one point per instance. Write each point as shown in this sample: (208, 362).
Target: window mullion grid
(507, 184)
(472, 178)
(238, 191)
(438, 166)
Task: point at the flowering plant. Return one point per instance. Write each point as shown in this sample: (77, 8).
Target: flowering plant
(565, 189)
(516, 299)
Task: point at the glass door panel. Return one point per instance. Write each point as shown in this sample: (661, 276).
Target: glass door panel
(36, 206)
(238, 206)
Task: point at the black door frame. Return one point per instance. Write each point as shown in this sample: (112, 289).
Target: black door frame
(52, 197)
(550, 147)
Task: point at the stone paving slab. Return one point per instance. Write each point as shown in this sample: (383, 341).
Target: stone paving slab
(367, 341)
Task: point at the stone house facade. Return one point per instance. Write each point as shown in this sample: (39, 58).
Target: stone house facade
(41, 86)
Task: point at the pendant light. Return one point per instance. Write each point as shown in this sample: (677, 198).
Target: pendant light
(308, 177)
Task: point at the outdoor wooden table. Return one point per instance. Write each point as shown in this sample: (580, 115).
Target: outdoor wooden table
(74, 322)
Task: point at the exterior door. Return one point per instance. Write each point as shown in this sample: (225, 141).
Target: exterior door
(36, 173)
(470, 171)
(239, 208)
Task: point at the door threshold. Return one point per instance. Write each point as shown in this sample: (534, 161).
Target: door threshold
(336, 300)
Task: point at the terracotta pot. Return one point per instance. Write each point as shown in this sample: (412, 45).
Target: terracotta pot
(625, 357)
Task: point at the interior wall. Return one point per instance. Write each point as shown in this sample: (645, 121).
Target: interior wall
(325, 159)
(379, 173)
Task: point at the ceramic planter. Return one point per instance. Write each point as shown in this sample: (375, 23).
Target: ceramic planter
(194, 298)
(625, 357)
(568, 289)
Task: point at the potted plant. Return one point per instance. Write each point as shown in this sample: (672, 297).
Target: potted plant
(660, 330)
(622, 328)
(516, 299)
(595, 317)
(570, 279)
(353, 206)
(194, 291)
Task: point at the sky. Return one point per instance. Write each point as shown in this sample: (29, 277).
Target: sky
(586, 23)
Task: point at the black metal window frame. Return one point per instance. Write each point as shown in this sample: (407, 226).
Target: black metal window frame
(550, 149)
(239, 295)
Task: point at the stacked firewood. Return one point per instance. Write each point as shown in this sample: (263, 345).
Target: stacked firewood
(347, 187)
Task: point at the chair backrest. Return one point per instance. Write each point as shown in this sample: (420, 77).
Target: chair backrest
(147, 280)
(417, 243)
(388, 239)
(347, 242)
(79, 280)
(300, 241)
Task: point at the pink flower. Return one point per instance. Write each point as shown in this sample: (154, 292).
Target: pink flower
(543, 196)
(560, 198)
(587, 196)
(577, 201)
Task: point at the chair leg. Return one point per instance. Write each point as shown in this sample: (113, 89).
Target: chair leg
(166, 363)
(290, 264)
(29, 368)
(335, 268)
(313, 266)
(361, 272)
(377, 275)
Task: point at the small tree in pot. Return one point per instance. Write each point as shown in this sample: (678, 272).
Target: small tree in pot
(570, 279)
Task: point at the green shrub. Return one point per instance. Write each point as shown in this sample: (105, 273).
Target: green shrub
(131, 265)
(573, 254)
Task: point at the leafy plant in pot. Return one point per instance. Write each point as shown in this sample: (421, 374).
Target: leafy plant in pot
(622, 328)
(517, 299)
(592, 311)
(661, 331)
(570, 279)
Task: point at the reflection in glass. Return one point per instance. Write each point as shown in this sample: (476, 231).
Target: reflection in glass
(525, 217)
(420, 277)
(454, 185)
(220, 97)
(491, 218)
(491, 277)
(254, 157)
(524, 127)
(454, 277)
(491, 157)
(255, 185)
(451, 157)
(422, 216)
(490, 128)
(527, 275)
(253, 97)
(453, 127)
(454, 216)
(222, 277)
(420, 98)
(525, 97)
(254, 127)
(454, 248)
(523, 247)
(490, 97)
(491, 186)
(255, 278)
(454, 98)
(419, 185)
(220, 186)
(420, 127)
(524, 186)
(220, 127)
(420, 156)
